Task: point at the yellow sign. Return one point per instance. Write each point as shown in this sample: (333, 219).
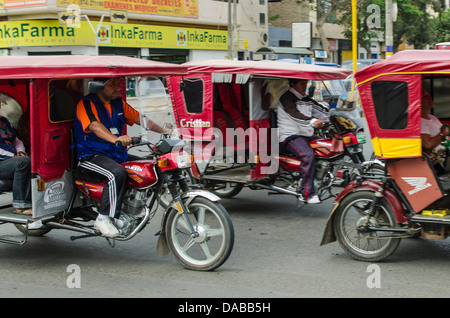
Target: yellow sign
(118, 16)
(178, 8)
(9, 4)
(51, 33)
(71, 19)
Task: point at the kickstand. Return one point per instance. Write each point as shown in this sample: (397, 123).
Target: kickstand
(112, 242)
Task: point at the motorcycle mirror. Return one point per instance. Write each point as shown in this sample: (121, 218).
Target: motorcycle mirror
(96, 87)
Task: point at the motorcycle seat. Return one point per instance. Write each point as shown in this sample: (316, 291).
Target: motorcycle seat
(288, 154)
(81, 175)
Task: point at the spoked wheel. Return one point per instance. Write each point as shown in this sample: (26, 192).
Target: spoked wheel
(349, 227)
(214, 243)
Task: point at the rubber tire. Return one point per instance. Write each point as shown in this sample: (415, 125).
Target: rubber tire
(359, 253)
(227, 194)
(226, 243)
(35, 232)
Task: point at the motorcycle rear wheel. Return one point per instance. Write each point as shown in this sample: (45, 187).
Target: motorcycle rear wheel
(215, 242)
(365, 245)
(229, 190)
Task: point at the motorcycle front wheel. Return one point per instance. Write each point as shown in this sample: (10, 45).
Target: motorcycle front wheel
(215, 240)
(361, 243)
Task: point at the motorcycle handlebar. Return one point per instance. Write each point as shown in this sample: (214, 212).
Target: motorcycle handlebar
(134, 141)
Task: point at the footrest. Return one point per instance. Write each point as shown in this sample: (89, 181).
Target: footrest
(16, 240)
(8, 216)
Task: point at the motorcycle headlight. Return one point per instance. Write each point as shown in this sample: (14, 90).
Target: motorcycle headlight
(183, 160)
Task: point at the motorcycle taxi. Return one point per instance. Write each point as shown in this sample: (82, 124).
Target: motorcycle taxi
(227, 111)
(44, 91)
(411, 199)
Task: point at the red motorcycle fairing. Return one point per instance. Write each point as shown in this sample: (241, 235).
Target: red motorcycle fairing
(322, 148)
(289, 163)
(141, 173)
(90, 189)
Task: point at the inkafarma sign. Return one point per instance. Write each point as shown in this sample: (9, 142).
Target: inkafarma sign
(51, 33)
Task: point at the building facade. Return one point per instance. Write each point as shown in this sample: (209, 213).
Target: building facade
(165, 30)
(288, 12)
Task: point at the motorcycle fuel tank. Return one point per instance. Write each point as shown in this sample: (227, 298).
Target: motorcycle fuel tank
(141, 173)
(323, 148)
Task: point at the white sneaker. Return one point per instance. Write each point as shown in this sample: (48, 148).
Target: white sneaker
(106, 227)
(313, 200)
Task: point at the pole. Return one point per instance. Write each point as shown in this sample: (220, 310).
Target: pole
(235, 31)
(230, 33)
(93, 30)
(354, 40)
(389, 27)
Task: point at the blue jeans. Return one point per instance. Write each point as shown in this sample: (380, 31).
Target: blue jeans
(18, 169)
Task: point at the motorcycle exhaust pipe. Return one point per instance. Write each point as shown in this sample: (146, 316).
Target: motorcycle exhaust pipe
(93, 232)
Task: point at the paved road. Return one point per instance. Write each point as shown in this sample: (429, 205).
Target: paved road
(276, 255)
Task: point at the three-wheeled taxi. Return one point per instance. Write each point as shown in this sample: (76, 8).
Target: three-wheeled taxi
(412, 198)
(42, 93)
(227, 110)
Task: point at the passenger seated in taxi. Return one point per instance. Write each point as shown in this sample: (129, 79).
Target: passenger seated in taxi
(15, 165)
(433, 132)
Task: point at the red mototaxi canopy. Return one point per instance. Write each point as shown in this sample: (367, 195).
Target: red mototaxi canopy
(269, 69)
(75, 66)
(408, 62)
(410, 67)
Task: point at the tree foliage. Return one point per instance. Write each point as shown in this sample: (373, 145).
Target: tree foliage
(415, 22)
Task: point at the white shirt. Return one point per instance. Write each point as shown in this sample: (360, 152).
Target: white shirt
(431, 126)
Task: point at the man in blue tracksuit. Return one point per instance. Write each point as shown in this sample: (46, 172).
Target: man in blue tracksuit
(99, 123)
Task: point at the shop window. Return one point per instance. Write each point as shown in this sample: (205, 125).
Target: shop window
(390, 99)
(193, 89)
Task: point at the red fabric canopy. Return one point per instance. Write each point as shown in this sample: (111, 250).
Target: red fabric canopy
(73, 66)
(409, 61)
(271, 69)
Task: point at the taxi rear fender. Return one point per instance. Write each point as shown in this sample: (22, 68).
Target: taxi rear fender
(366, 185)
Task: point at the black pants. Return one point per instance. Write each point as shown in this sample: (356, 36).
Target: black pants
(115, 177)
